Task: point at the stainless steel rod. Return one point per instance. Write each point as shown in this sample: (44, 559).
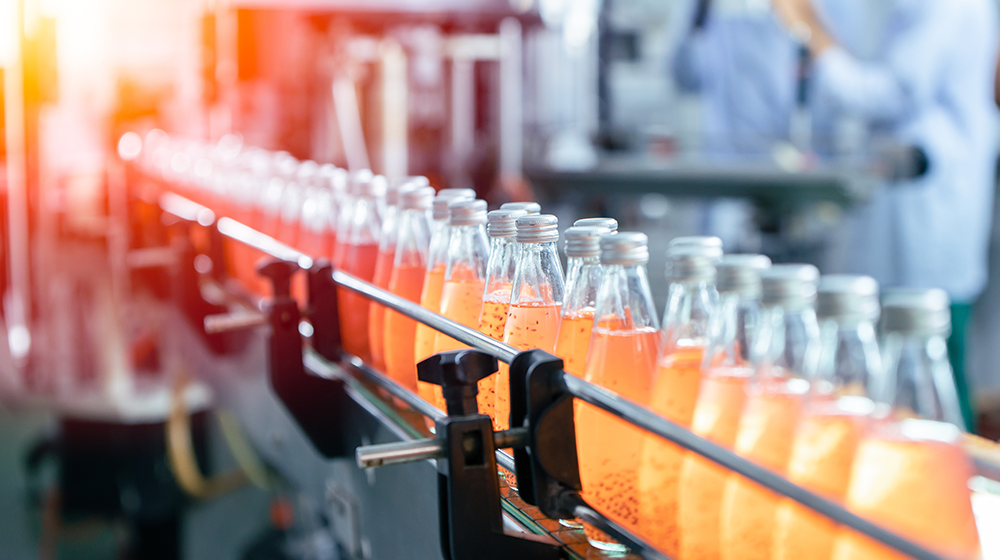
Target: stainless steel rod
(649, 421)
(440, 323)
(415, 401)
(396, 453)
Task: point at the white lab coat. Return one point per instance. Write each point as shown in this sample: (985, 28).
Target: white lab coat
(928, 82)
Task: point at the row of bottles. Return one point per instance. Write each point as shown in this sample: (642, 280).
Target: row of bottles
(781, 365)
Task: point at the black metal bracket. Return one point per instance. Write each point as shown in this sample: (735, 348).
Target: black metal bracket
(316, 403)
(323, 311)
(548, 473)
(468, 487)
(186, 289)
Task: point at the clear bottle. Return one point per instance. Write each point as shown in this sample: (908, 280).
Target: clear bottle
(622, 358)
(282, 179)
(383, 265)
(725, 370)
(527, 207)
(406, 280)
(583, 278)
(292, 198)
(318, 215)
(535, 300)
(837, 415)
(785, 354)
(501, 229)
(910, 474)
(355, 254)
(608, 223)
(691, 300)
(430, 294)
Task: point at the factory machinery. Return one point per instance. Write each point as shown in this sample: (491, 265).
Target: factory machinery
(355, 443)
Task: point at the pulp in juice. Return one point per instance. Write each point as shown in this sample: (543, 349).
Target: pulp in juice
(701, 482)
(913, 485)
(461, 301)
(358, 260)
(376, 312)
(821, 461)
(673, 397)
(529, 325)
(400, 330)
(430, 298)
(574, 341)
(491, 323)
(607, 446)
(765, 435)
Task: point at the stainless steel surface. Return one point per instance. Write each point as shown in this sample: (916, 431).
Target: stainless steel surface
(215, 324)
(439, 323)
(650, 421)
(265, 243)
(424, 449)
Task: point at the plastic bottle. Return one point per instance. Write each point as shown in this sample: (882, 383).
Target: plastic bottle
(838, 413)
(785, 356)
(406, 280)
(383, 266)
(691, 301)
(910, 474)
(536, 298)
(501, 229)
(583, 278)
(725, 371)
(622, 358)
(355, 254)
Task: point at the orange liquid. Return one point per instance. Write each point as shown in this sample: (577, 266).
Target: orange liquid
(491, 323)
(574, 341)
(821, 461)
(461, 301)
(352, 307)
(674, 394)
(699, 487)
(765, 435)
(608, 447)
(401, 331)
(528, 326)
(430, 298)
(917, 488)
(376, 312)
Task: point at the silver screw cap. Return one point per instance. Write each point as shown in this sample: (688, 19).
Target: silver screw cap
(792, 286)
(503, 223)
(691, 263)
(625, 248)
(610, 223)
(417, 198)
(528, 207)
(360, 183)
(465, 212)
(740, 274)
(584, 241)
(916, 311)
(846, 297)
(537, 228)
(445, 196)
(712, 246)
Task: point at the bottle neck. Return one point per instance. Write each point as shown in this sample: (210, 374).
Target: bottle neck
(624, 301)
(919, 380)
(390, 222)
(583, 279)
(441, 234)
(786, 343)
(849, 362)
(500, 269)
(361, 223)
(538, 276)
(413, 237)
(468, 253)
(690, 306)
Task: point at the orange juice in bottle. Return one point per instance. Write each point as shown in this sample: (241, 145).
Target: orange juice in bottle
(721, 396)
(318, 216)
(786, 353)
(430, 293)
(536, 296)
(496, 297)
(356, 253)
(383, 266)
(910, 474)
(837, 415)
(583, 278)
(621, 358)
(691, 300)
(406, 280)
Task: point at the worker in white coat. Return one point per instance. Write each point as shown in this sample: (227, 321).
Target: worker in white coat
(928, 82)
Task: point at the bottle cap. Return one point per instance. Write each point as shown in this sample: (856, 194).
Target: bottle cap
(625, 248)
(537, 228)
(502, 223)
(463, 212)
(528, 207)
(399, 185)
(792, 286)
(711, 246)
(417, 198)
(415, 180)
(610, 223)
(363, 183)
(338, 179)
(445, 196)
(306, 172)
(916, 311)
(740, 274)
(584, 241)
(846, 297)
(690, 263)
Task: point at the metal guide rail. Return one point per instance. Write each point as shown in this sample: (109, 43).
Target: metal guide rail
(542, 431)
